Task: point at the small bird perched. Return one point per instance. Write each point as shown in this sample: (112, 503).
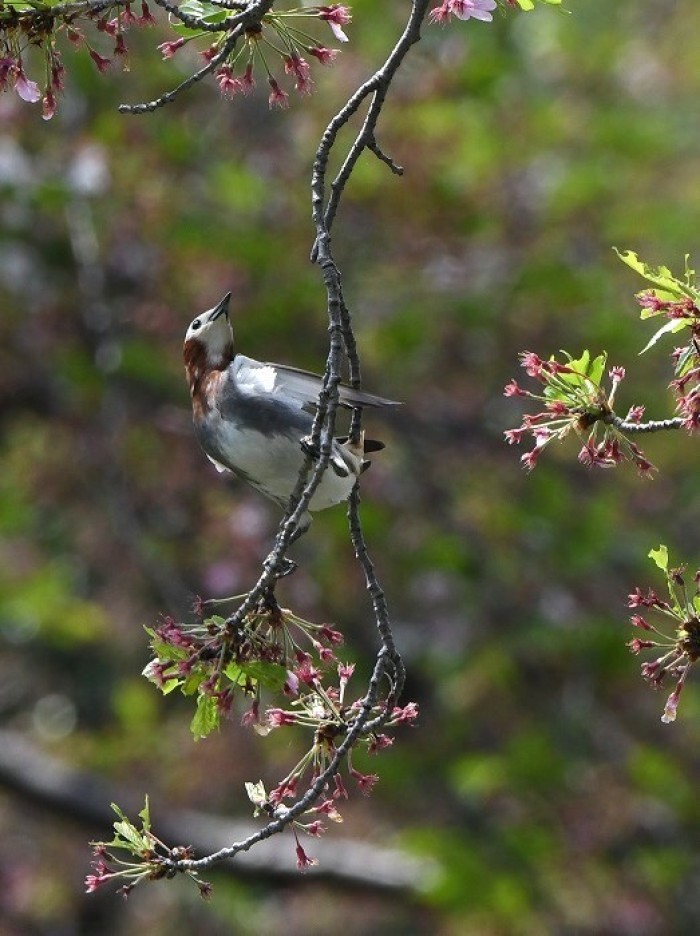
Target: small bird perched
(255, 419)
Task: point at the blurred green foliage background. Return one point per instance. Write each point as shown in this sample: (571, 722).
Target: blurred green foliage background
(539, 777)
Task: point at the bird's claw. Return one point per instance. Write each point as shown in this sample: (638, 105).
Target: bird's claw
(308, 448)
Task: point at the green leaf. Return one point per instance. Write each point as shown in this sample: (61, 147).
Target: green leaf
(257, 795)
(587, 373)
(205, 12)
(166, 651)
(660, 557)
(170, 686)
(21, 6)
(235, 673)
(118, 811)
(660, 276)
(686, 361)
(272, 675)
(206, 718)
(597, 369)
(131, 835)
(581, 364)
(145, 816)
(668, 328)
(526, 5)
(194, 680)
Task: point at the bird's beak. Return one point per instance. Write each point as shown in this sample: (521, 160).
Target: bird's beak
(221, 309)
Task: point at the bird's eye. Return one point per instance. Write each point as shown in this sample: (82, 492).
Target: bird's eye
(195, 325)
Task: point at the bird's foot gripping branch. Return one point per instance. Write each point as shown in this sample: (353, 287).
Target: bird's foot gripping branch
(574, 398)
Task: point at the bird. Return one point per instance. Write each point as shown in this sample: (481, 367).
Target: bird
(254, 419)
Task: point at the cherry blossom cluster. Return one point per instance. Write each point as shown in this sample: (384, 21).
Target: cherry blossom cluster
(574, 400)
(678, 650)
(277, 36)
(233, 57)
(464, 10)
(573, 397)
(324, 712)
(25, 31)
(479, 9)
(243, 38)
(676, 300)
(212, 660)
(151, 859)
(13, 77)
(680, 313)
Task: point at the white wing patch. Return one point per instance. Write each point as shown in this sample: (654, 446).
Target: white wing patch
(258, 379)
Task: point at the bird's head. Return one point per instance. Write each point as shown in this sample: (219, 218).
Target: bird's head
(209, 339)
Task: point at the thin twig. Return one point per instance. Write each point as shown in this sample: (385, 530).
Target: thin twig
(250, 16)
(378, 85)
(149, 106)
(62, 10)
(381, 609)
(653, 425)
(381, 155)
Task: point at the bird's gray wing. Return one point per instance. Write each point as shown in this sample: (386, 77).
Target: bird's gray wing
(249, 397)
(304, 387)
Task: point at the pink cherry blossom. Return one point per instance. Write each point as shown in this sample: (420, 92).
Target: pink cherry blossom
(476, 9)
(278, 98)
(228, 83)
(324, 55)
(100, 61)
(247, 81)
(336, 15)
(168, 49)
(464, 10)
(27, 89)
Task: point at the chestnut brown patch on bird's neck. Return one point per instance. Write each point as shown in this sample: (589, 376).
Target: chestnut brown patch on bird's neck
(202, 373)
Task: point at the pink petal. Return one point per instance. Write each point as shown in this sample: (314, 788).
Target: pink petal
(27, 89)
(338, 32)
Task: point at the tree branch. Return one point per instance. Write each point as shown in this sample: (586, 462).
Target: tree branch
(149, 106)
(250, 16)
(341, 339)
(653, 425)
(46, 782)
(378, 85)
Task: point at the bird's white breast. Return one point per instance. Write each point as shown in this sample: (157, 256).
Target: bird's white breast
(270, 463)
